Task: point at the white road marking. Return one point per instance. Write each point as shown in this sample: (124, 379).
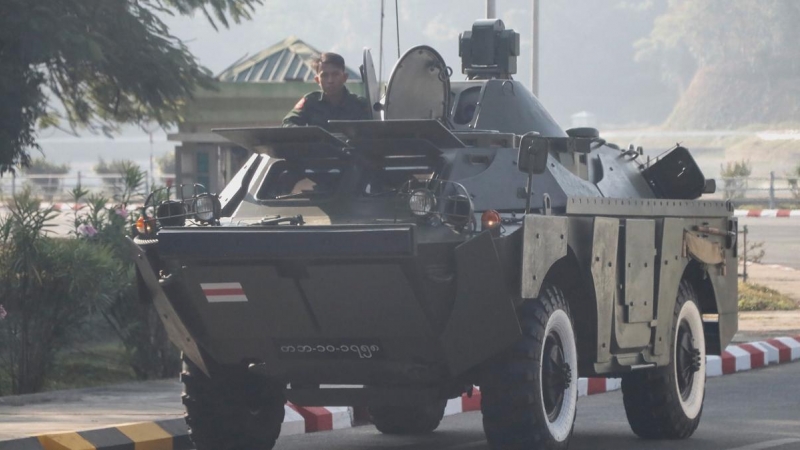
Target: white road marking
(767, 444)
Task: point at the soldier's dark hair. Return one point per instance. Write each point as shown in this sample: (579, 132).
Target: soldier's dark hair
(334, 59)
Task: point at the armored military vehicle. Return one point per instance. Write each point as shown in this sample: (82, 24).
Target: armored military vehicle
(459, 239)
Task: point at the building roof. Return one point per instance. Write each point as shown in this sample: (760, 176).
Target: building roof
(289, 60)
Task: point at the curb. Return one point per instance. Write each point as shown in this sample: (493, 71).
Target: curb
(172, 434)
(785, 213)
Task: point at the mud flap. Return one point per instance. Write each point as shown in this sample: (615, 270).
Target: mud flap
(176, 331)
(483, 321)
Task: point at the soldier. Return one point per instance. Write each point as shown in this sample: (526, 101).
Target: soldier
(333, 102)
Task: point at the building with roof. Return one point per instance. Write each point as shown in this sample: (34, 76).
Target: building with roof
(255, 91)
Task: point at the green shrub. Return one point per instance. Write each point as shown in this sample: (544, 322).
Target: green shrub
(136, 323)
(754, 297)
(49, 287)
(735, 176)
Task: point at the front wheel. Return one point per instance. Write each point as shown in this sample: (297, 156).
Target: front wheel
(529, 394)
(232, 409)
(418, 419)
(666, 403)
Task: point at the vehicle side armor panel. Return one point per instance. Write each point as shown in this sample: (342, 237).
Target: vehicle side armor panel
(483, 307)
(544, 242)
(605, 237)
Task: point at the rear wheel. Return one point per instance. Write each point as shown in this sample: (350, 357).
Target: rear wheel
(529, 394)
(232, 410)
(666, 403)
(417, 419)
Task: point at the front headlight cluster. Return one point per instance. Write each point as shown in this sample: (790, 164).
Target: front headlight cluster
(203, 207)
(439, 202)
(422, 202)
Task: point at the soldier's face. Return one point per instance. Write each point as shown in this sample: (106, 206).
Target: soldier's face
(331, 79)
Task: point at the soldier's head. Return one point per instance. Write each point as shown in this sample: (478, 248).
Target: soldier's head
(331, 74)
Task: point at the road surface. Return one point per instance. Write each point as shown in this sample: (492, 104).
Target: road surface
(755, 410)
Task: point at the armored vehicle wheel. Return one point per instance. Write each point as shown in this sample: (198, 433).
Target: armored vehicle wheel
(234, 410)
(529, 394)
(666, 403)
(407, 419)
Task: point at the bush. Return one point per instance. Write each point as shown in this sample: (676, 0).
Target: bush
(49, 288)
(754, 297)
(792, 178)
(735, 177)
(136, 323)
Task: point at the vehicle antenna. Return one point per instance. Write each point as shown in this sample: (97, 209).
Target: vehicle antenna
(380, 57)
(397, 21)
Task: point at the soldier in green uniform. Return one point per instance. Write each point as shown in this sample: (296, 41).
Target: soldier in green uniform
(333, 102)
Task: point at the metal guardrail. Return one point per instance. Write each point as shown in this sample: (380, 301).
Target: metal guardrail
(57, 187)
(767, 190)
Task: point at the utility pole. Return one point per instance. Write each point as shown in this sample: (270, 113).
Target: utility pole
(490, 9)
(535, 49)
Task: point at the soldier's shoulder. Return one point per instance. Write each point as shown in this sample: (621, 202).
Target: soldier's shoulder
(313, 96)
(360, 100)
(310, 98)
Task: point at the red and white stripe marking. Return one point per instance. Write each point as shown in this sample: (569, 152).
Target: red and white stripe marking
(767, 213)
(223, 292)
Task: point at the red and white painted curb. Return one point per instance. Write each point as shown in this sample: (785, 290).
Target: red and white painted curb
(735, 358)
(766, 213)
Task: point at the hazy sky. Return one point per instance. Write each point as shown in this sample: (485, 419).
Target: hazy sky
(347, 26)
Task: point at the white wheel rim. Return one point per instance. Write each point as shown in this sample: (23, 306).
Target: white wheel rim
(561, 326)
(690, 315)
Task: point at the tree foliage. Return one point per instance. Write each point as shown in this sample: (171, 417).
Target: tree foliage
(741, 33)
(104, 62)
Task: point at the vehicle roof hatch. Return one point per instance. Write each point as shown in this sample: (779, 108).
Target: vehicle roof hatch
(371, 85)
(419, 87)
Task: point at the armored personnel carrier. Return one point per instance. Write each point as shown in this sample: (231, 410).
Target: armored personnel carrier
(459, 239)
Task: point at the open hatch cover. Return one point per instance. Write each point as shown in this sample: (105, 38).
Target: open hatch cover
(287, 143)
(419, 87)
(396, 137)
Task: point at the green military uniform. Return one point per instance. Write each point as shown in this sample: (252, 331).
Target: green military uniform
(313, 109)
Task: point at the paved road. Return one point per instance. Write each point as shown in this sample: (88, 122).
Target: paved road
(781, 237)
(756, 410)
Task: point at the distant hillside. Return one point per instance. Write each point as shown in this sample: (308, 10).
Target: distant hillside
(731, 96)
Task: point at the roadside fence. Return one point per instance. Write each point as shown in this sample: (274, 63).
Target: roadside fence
(768, 190)
(53, 188)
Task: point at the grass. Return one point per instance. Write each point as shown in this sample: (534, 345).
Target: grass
(755, 297)
(94, 364)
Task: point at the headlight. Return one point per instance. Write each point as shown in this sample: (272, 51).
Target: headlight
(422, 202)
(171, 213)
(206, 207)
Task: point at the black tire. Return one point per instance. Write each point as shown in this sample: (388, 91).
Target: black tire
(233, 410)
(529, 393)
(419, 419)
(659, 403)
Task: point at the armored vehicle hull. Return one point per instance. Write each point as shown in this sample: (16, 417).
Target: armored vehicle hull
(397, 263)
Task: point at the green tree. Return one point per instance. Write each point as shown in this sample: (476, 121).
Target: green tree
(725, 31)
(104, 61)
(734, 62)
